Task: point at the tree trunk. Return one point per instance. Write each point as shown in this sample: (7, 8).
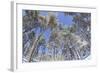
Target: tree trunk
(33, 48)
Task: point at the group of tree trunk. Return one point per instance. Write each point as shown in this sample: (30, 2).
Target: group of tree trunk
(64, 43)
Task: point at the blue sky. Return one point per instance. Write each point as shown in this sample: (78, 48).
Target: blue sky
(66, 20)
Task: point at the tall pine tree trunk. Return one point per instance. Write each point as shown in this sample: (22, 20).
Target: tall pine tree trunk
(33, 48)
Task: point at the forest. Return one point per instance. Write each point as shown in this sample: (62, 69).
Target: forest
(55, 36)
